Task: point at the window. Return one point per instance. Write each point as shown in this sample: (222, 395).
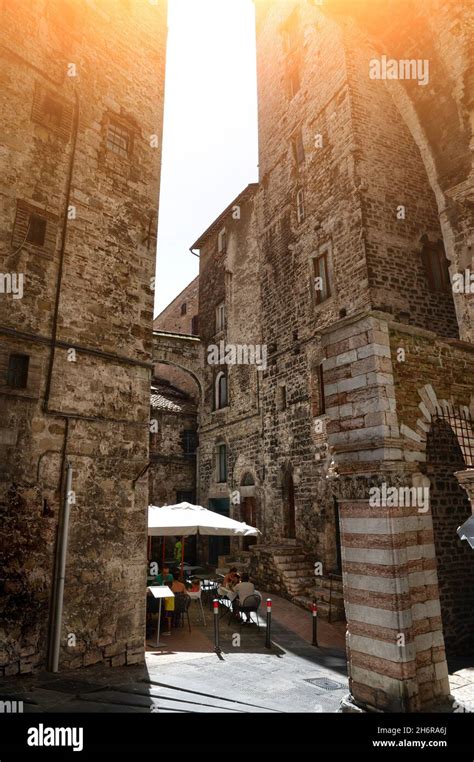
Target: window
(36, 230)
(320, 276)
(281, 397)
(220, 396)
(189, 441)
(195, 325)
(319, 402)
(34, 227)
(298, 147)
(52, 111)
(119, 139)
(300, 205)
(184, 308)
(185, 496)
(17, 374)
(436, 265)
(222, 241)
(293, 78)
(220, 317)
(221, 463)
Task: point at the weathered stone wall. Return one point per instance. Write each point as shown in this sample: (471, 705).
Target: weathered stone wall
(439, 116)
(172, 470)
(87, 396)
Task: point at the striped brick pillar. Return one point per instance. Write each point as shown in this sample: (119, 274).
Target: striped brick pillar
(395, 643)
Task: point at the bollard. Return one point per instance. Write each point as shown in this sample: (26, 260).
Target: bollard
(268, 643)
(314, 611)
(215, 604)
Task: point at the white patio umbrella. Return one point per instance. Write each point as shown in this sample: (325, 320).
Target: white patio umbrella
(185, 519)
(188, 519)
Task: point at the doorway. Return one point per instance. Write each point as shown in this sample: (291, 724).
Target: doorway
(218, 546)
(450, 506)
(289, 512)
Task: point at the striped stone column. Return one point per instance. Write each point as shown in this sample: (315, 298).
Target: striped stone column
(395, 643)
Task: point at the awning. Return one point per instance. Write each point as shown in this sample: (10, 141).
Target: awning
(187, 519)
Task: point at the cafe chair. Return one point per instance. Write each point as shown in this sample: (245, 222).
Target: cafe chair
(181, 609)
(250, 605)
(197, 596)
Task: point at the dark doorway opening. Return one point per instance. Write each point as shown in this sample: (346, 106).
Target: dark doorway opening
(454, 558)
(289, 514)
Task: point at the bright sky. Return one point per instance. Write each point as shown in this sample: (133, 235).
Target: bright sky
(210, 128)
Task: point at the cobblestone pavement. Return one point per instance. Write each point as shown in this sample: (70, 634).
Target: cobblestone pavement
(461, 680)
(186, 675)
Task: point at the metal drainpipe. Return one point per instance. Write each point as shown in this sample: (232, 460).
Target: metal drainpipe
(62, 250)
(59, 592)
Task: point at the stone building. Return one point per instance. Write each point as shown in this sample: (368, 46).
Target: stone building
(82, 108)
(230, 433)
(356, 438)
(175, 396)
(181, 315)
(173, 445)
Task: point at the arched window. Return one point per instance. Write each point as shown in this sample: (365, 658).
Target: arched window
(247, 480)
(220, 392)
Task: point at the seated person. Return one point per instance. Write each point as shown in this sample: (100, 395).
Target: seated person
(242, 590)
(195, 586)
(165, 578)
(177, 586)
(231, 579)
(179, 589)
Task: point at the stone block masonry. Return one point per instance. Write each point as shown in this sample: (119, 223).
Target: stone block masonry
(83, 88)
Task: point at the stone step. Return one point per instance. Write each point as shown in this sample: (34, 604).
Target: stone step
(296, 559)
(302, 572)
(305, 602)
(293, 566)
(326, 596)
(295, 586)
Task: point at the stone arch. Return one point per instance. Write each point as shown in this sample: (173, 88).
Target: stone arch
(243, 467)
(449, 507)
(430, 408)
(182, 352)
(436, 441)
(196, 378)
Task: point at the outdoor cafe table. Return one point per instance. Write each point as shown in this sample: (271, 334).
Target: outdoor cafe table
(160, 591)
